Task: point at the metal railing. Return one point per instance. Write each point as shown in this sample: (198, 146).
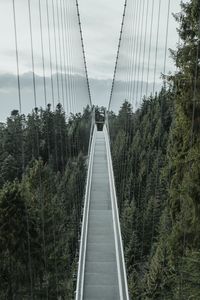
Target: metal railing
(84, 230)
(121, 268)
(122, 279)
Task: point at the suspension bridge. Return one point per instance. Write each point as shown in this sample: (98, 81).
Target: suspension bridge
(56, 70)
(102, 273)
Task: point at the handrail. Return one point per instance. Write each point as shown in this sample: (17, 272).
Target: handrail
(91, 130)
(122, 278)
(84, 231)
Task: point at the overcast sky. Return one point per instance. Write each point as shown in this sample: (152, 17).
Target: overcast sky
(101, 23)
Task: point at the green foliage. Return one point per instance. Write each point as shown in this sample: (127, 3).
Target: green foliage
(156, 158)
(139, 142)
(43, 172)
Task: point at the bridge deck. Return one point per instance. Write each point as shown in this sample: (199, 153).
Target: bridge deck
(101, 280)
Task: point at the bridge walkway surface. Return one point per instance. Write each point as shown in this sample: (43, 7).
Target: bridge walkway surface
(101, 279)
(101, 268)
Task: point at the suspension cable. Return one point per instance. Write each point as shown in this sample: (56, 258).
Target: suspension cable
(22, 145)
(56, 51)
(50, 54)
(132, 11)
(144, 49)
(41, 194)
(60, 54)
(140, 54)
(83, 51)
(150, 44)
(69, 85)
(133, 64)
(136, 60)
(64, 55)
(70, 57)
(42, 49)
(117, 58)
(156, 52)
(32, 52)
(17, 56)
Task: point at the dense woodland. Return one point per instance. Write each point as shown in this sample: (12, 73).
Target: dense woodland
(43, 171)
(156, 158)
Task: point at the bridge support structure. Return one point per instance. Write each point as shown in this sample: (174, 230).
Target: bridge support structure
(101, 270)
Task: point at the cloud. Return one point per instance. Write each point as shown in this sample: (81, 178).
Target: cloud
(76, 92)
(101, 23)
(70, 90)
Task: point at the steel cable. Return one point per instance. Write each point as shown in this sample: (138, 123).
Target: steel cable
(150, 45)
(156, 52)
(41, 194)
(144, 49)
(140, 60)
(32, 53)
(60, 54)
(56, 50)
(22, 146)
